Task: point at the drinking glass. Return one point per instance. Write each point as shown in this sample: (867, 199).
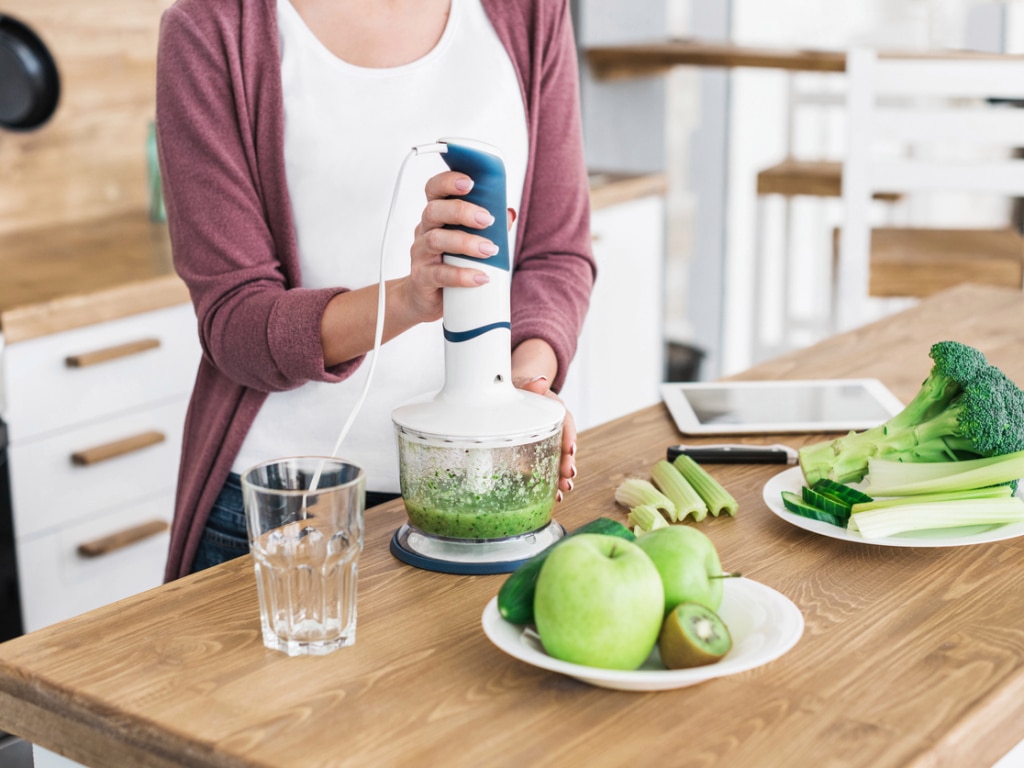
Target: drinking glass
(305, 521)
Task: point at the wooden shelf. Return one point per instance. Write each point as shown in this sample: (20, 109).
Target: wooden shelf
(607, 189)
(650, 58)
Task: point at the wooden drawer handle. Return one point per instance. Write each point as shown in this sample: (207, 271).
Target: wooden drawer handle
(107, 544)
(110, 353)
(99, 453)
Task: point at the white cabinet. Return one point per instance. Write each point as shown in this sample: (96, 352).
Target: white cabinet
(620, 359)
(95, 417)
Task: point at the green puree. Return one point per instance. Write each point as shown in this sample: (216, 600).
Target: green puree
(464, 515)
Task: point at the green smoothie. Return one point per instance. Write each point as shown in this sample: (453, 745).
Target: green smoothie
(451, 510)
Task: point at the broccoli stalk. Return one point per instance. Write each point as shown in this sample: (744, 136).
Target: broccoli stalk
(965, 409)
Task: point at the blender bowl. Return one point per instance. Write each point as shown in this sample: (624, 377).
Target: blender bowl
(480, 489)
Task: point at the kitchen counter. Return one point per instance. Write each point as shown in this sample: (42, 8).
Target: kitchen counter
(63, 277)
(909, 657)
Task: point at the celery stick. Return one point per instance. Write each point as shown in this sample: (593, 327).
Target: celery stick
(710, 490)
(678, 489)
(888, 521)
(942, 476)
(989, 492)
(637, 492)
(646, 518)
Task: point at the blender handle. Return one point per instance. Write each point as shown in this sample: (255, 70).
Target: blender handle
(484, 165)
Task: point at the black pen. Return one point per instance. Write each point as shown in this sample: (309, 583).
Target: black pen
(735, 453)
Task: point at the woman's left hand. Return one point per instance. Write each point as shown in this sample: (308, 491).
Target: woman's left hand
(533, 367)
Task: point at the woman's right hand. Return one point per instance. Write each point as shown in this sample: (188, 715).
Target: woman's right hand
(428, 273)
(347, 327)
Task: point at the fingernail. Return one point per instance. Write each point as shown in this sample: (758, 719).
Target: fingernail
(574, 473)
(558, 496)
(536, 378)
(488, 249)
(464, 185)
(481, 279)
(483, 218)
(572, 450)
(571, 486)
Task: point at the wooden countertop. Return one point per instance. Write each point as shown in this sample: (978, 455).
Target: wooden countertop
(910, 657)
(58, 278)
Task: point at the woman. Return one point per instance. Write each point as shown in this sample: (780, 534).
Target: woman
(281, 128)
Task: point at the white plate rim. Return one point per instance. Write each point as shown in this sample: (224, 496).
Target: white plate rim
(782, 622)
(792, 479)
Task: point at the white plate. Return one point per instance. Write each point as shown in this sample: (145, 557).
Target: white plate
(793, 480)
(763, 623)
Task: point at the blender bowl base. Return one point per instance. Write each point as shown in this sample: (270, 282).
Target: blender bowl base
(431, 553)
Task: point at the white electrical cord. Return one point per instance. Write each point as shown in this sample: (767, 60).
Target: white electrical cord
(379, 330)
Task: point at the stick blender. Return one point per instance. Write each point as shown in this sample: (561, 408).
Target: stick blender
(478, 462)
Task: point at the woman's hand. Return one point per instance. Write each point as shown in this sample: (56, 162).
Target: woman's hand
(428, 273)
(347, 328)
(534, 366)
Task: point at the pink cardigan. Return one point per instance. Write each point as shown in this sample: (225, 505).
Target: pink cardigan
(220, 130)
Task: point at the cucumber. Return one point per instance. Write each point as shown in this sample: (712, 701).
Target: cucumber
(798, 506)
(515, 598)
(825, 503)
(840, 492)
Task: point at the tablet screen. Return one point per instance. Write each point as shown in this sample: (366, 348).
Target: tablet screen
(780, 406)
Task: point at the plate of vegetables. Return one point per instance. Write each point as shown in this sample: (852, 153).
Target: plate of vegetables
(942, 472)
(958, 527)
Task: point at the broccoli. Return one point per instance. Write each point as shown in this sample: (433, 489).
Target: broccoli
(965, 409)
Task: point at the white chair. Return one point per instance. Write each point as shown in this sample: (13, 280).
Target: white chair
(953, 105)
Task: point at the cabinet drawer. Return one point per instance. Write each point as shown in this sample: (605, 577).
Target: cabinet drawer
(74, 377)
(57, 582)
(49, 488)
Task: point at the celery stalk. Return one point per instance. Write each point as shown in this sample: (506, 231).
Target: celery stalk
(879, 523)
(637, 492)
(683, 495)
(989, 492)
(715, 496)
(646, 518)
(942, 476)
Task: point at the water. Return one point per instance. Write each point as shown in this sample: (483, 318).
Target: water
(307, 589)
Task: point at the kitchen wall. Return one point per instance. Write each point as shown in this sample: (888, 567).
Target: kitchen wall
(89, 160)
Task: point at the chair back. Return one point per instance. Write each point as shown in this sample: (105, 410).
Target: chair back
(956, 100)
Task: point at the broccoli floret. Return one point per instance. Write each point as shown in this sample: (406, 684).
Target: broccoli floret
(965, 409)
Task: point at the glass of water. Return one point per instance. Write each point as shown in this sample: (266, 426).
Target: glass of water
(305, 521)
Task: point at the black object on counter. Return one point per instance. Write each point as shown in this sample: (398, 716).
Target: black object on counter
(735, 454)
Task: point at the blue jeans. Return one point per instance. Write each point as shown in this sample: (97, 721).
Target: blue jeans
(225, 536)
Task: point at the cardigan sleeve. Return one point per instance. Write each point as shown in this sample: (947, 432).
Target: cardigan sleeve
(256, 325)
(555, 267)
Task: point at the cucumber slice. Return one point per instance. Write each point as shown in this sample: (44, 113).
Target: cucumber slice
(841, 492)
(798, 506)
(825, 503)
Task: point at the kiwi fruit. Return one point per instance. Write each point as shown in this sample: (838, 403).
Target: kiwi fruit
(693, 635)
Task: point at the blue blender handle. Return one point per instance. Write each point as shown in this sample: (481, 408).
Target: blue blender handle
(483, 164)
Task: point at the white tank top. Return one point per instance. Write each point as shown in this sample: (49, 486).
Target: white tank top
(347, 130)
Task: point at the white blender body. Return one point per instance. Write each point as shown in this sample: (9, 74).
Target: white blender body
(478, 461)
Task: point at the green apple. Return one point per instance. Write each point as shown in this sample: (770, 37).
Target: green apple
(688, 562)
(598, 602)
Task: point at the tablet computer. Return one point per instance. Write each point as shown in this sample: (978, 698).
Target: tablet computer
(753, 407)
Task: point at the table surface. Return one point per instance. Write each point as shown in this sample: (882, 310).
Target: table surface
(909, 656)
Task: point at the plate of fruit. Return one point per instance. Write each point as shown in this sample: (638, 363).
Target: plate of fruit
(649, 613)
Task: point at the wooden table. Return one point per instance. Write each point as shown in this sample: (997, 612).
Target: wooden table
(910, 657)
